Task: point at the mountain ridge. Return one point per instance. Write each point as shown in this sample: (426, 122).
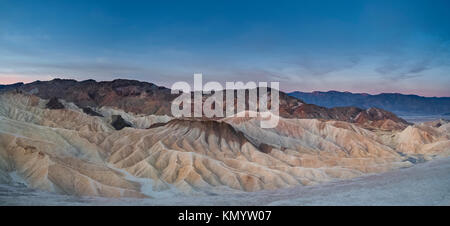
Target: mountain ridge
(147, 98)
(402, 104)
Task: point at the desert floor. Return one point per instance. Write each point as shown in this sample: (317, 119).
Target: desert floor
(423, 184)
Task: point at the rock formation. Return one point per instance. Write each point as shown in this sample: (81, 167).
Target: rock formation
(91, 112)
(148, 99)
(54, 103)
(70, 151)
(119, 123)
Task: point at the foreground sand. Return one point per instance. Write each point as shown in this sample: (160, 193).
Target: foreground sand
(423, 184)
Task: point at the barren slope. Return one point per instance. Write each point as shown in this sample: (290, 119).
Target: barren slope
(71, 152)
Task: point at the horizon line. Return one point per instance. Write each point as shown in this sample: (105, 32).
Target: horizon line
(287, 92)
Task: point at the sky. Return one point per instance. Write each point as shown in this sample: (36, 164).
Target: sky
(396, 46)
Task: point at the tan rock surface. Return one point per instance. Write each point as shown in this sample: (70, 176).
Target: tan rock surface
(70, 152)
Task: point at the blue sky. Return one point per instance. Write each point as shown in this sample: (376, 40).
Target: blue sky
(358, 46)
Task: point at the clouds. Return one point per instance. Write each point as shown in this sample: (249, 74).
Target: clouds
(414, 57)
(321, 65)
(395, 70)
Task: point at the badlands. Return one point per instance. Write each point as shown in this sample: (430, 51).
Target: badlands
(118, 139)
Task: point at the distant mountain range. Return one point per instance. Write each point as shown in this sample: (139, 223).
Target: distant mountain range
(148, 98)
(398, 103)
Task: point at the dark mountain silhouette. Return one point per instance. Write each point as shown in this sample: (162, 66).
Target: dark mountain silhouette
(11, 86)
(398, 103)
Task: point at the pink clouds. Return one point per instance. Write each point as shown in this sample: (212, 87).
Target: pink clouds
(6, 79)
